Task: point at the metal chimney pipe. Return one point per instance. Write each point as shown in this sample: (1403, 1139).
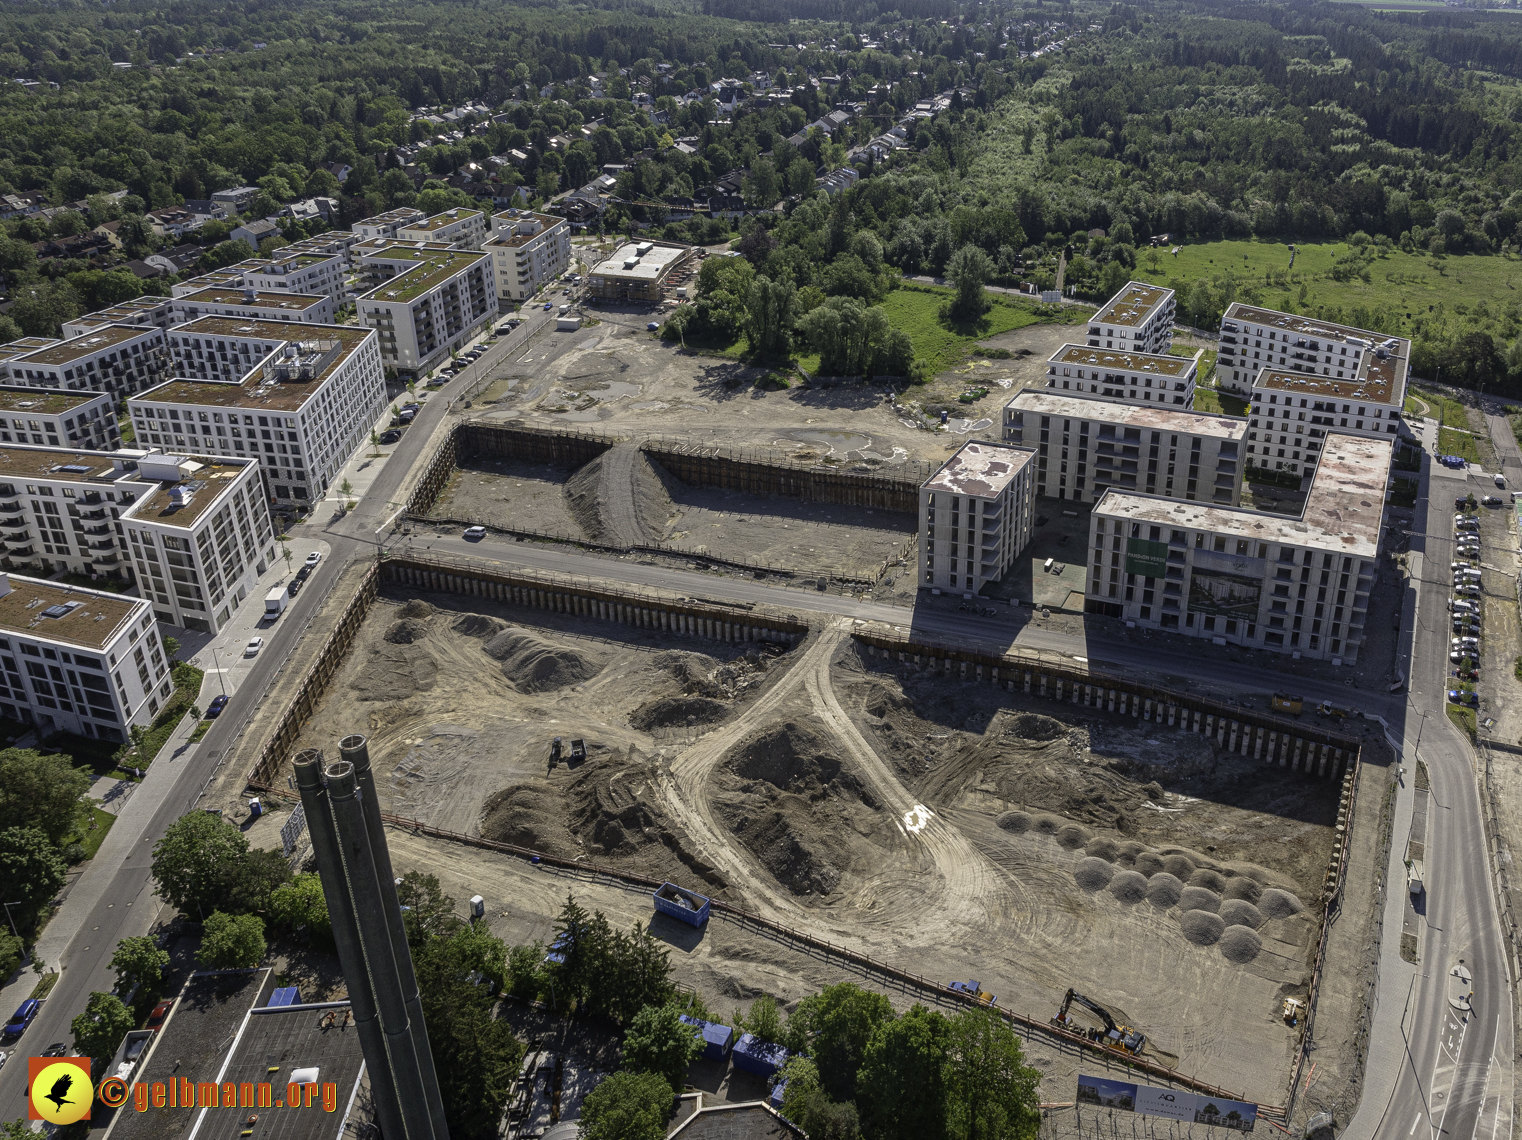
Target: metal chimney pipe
(351, 956)
(355, 750)
(375, 937)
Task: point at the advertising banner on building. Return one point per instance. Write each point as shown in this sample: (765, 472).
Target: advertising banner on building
(1227, 594)
(1169, 1104)
(1147, 558)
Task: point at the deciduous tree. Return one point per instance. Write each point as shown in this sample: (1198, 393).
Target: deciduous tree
(101, 1027)
(627, 1106)
(659, 1042)
(45, 792)
(139, 962)
(231, 941)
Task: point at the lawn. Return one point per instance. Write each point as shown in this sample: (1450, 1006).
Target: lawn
(91, 840)
(1218, 403)
(1446, 410)
(1450, 442)
(916, 310)
(187, 690)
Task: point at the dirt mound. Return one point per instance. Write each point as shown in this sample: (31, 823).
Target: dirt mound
(1240, 945)
(1210, 880)
(1102, 848)
(1236, 912)
(692, 671)
(1093, 874)
(416, 608)
(1181, 867)
(406, 631)
(528, 816)
(535, 665)
(1150, 863)
(1072, 836)
(1049, 824)
(1128, 886)
(1198, 898)
(1164, 890)
(1017, 822)
(478, 625)
(791, 758)
(1275, 903)
(1034, 726)
(799, 857)
(395, 672)
(1201, 927)
(675, 712)
(1241, 887)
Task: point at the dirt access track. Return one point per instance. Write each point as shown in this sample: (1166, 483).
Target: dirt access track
(950, 829)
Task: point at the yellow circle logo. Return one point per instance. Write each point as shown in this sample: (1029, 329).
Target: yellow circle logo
(62, 1092)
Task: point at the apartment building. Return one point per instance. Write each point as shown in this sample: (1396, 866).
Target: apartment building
(117, 360)
(299, 400)
(1137, 319)
(437, 305)
(976, 514)
(317, 273)
(528, 251)
(237, 199)
(19, 348)
(1125, 377)
(79, 660)
(1244, 577)
(460, 227)
(155, 311)
(1084, 447)
(297, 308)
(382, 259)
(46, 417)
(384, 226)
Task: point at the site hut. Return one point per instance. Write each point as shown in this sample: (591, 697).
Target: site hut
(529, 251)
(305, 308)
(1124, 377)
(49, 417)
(79, 660)
(299, 400)
(976, 515)
(156, 311)
(437, 305)
(637, 271)
(461, 227)
(199, 536)
(385, 225)
(1244, 577)
(118, 360)
(1084, 447)
(1137, 319)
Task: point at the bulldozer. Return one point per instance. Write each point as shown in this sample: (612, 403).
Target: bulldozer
(1120, 1038)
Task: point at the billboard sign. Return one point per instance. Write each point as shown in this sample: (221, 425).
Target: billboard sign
(1169, 1104)
(1149, 559)
(291, 830)
(1228, 594)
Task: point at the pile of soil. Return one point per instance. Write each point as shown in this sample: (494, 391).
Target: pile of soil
(1128, 886)
(1240, 944)
(394, 672)
(1235, 912)
(691, 671)
(675, 712)
(1275, 903)
(1093, 874)
(535, 664)
(406, 631)
(1201, 927)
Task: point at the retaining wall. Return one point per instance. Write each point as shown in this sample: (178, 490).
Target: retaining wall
(705, 467)
(530, 445)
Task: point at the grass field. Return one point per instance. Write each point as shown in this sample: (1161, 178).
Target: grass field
(91, 840)
(1446, 410)
(1219, 403)
(1451, 442)
(1402, 283)
(917, 310)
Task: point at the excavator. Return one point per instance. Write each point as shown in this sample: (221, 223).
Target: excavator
(1121, 1038)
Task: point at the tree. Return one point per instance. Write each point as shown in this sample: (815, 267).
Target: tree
(968, 269)
(769, 315)
(139, 962)
(31, 868)
(45, 792)
(41, 307)
(299, 903)
(429, 911)
(806, 1105)
(627, 1106)
(659, 1042)
(12, 951)
(764, 1020)
(231, 941)
(191, 862)
(902, 1087)
(762, 186)
(837, 1023)
(100, 1028)
(248, 883)
(992, 1092)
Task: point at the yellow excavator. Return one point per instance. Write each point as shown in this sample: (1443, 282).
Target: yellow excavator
(1121, 1038)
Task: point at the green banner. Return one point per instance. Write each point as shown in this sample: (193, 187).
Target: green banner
(1149, 559)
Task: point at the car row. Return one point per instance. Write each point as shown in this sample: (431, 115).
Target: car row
(1464, 606)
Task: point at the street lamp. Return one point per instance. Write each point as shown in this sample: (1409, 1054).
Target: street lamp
(217, 666)
(25, 956)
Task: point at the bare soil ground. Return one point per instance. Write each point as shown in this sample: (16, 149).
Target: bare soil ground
(1024, 368)
(526, 496)
(948, 829)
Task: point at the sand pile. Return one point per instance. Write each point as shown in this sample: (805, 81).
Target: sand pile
(478, 625)
(677, 712)
(1240, 945)
(1198, 898)
(692, 671)
(406, 631)
(1150, 863)
(1236, 912)
(1163, 890)
(793, 758)
(1275, 903)
(1049, 824)
(417, 609)
(394, 672)
(1241, 887)
(1018, 822)
(1034, 726)
(1201, 927)
(1072, 836)
(530, 816)
(535, 665)
(1181, 867)
(1102, 847)
(1128, 886)
(1093, 874)
(1210, 880)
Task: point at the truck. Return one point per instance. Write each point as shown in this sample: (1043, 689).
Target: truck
(567, 324)
(1286, 703)
(275, 602)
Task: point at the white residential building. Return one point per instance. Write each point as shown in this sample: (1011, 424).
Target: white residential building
(1243, 577)
(155, 311)
(1085, 447)
(300, 308)
(1126, 377)
(1137, 319)
(461, 227)
(976, 515)
(117, 360)
(50, 418)
(437, 305)
(292, 270)
(528, 251)
(300, 400)
(385, 225)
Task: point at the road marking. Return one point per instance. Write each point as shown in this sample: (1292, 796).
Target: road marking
(1414, 1123)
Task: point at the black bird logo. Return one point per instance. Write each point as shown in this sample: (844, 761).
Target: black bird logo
(60, 1092)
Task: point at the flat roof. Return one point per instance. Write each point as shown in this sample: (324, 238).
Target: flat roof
(1305, 326)
(97, 340)
(263, 298)
(288, 1038)
(44, 401)
(56, 463)
(447, 218)
(1161, 416)
(1343, 510)
(278, 264)
(25, 345)
(205, 488)
(650, 265)
(980, 467)
(1156, 363)
(1132, 305)
(389, 249)
(434, 269)
(92, 618)
(400, 213)
(1376, 384)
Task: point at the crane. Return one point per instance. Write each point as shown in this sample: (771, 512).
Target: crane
(1121, 1038)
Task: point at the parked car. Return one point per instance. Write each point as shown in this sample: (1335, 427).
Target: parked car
(252, 648)
(160, 1011)
(25, 1014)
(1460, 697)
(474, 533)
(218, 703)
(437, 382)
(313, 558)
(653, 326)
(1501, 481)
(392, 436)
(548, 305)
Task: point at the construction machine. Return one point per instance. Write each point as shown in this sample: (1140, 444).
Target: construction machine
(1121, 1038)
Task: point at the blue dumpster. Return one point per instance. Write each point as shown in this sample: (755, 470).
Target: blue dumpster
(683, 905)
(753, 1055)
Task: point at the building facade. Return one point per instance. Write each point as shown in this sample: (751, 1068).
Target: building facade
(1124, 377)
(385, 225)
(47, 418)
(117, 360)
(1084, 447)
(528, 251)
(155, 311)
(1245, 577)
(1137, 319)
(437, 305)
(976, 514)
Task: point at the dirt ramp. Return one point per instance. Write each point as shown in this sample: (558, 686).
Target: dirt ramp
(536, 664)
